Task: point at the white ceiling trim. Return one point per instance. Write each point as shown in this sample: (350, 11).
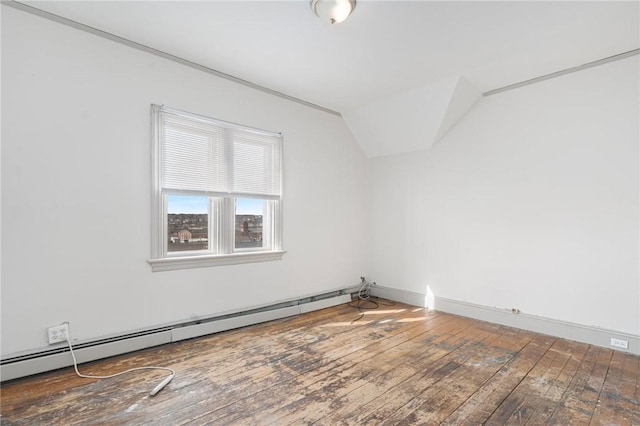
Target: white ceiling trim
(566, 71)
(404, 90)
(130, 43)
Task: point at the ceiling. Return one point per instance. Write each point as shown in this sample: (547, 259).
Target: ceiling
(385, 49)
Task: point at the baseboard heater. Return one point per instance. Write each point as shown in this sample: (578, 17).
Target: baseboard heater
(59, 357)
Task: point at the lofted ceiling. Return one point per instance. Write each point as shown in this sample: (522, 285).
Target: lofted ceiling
(386, 53)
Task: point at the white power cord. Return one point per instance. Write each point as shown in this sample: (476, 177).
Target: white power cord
(155, 390)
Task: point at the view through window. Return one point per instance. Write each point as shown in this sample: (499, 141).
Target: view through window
(188, 223)
(249, 214)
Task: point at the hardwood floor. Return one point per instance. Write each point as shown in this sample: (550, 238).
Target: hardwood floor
(396, 365)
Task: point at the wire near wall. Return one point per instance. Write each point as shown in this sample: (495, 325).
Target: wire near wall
(365, 300)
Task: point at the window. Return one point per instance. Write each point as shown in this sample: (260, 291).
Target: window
(216, 192)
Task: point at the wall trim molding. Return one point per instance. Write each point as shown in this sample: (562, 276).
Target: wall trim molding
(398, 295)
(560, 73)
(130, 43)
(592, 335)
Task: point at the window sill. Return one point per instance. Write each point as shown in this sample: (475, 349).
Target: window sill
(189, 262)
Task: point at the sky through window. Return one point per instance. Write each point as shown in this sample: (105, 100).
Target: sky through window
(193, 204)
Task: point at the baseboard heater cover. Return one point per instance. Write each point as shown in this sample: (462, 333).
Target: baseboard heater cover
(188, 332)
(57, 358)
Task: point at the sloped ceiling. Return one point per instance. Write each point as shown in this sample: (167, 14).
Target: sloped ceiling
(412, 120)
(418, 64)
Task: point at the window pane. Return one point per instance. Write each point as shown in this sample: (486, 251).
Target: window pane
(249, 214)
(188, 223)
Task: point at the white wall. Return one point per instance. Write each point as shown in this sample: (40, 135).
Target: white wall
(76, 190)
(530, 202)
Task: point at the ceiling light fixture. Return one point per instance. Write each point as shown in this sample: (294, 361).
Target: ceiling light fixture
(333, 11)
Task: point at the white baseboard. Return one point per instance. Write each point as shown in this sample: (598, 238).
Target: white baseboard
(324, 303)
(567, 330)
(404, 296)
(48, 362)
(60, 358)
(196, 330)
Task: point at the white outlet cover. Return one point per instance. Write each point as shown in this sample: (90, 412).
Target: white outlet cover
(58, 333)
(619, 343)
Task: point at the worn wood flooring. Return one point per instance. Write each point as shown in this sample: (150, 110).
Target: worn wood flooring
(397, 365)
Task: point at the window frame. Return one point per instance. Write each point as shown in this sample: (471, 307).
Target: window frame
(221, 215)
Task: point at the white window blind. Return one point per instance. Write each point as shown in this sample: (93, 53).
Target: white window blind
(217, 158)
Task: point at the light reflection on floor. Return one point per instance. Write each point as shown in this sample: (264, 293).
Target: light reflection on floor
(368, 314)
(412, 319)
(383, 312)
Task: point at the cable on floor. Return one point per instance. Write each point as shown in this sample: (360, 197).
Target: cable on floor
(365, 299)
(155, 390)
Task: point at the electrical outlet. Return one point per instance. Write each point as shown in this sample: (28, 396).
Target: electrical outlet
(59, 333)
(619, 343)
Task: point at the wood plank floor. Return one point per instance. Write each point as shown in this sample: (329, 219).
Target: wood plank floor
(396, 365)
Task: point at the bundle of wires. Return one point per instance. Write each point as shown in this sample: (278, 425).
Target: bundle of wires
(365, 299)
